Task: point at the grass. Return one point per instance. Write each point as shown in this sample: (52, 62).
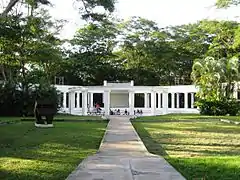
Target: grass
(187, 117)
(200, 150)
(58, 117)
(27, 152)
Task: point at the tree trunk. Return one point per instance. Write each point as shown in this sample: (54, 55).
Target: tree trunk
(9, 7)
(3, 73)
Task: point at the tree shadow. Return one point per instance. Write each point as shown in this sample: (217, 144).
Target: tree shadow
(151, 144)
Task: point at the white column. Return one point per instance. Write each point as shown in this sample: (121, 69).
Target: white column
(177, 100)
(153, 102)
(78, 98)
(192, 100)
(131, 103)
(165, 102)
(173, 100)
(145, 100)
(185, 100)
(84, 102)
(159, 100)
(71, 101)
(106, 100)
(91, 100)
(64, 100)
(149, 94)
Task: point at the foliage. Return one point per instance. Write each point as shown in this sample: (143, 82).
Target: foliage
(215, 78)
(219, 107)
(207, 75)
(14, 102)
(10, 100)
(226, 3)
(91, 60)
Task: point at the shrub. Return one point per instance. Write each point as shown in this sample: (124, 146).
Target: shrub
(10, 100)
(13, 102)
(219, 107)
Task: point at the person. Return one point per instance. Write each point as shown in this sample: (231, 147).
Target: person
(98, 107)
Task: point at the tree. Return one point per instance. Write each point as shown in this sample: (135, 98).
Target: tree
(86, 7)
(226, 3)
(12, 3)
(211, 75)
(91, 60)
(207, 75)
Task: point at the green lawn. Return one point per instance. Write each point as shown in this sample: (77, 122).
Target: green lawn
(27, 152)
(58, 117)
(192, 117)
(199, 149)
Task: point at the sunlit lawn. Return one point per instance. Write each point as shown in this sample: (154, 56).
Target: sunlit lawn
(174, 117)
(199, 149)
(27, 152)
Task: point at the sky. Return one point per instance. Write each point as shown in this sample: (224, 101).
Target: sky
(164, 12)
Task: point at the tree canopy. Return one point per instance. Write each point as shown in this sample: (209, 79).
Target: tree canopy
(226, 3)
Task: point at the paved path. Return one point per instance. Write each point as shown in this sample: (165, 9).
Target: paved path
(123, 156)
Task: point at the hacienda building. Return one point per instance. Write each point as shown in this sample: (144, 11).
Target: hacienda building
(125, 98)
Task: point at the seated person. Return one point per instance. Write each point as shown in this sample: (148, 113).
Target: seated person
(98, 107)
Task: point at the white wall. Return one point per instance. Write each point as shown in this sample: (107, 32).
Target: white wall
(118, 100)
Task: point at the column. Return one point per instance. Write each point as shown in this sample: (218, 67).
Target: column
(177, 100)
(106, 102)
(145, 100)
(159, 100)
(185, 100)
(165, 102)
(84, 102)
(131, 103)
(153, 102)
(192, 100)
(64, 100)
(78, 97)
(91, 99)
(71, 101)
(173, 100)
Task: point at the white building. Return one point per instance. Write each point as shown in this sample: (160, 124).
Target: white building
(150, 100)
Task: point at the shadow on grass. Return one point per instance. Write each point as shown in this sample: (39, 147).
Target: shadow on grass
(152, 145)
(32, 153)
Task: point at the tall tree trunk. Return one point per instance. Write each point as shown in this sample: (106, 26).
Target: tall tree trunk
(3, 73)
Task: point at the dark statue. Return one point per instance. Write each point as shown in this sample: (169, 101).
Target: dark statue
(44, 108)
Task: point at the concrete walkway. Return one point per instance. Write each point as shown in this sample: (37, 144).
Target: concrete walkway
(123, 156)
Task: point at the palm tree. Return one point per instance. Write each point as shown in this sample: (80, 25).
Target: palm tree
(207, 75)
(211, 74)
(231, 75)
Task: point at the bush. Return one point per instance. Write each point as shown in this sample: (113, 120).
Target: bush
(219, 107)
(14, 102)
(10, 100)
